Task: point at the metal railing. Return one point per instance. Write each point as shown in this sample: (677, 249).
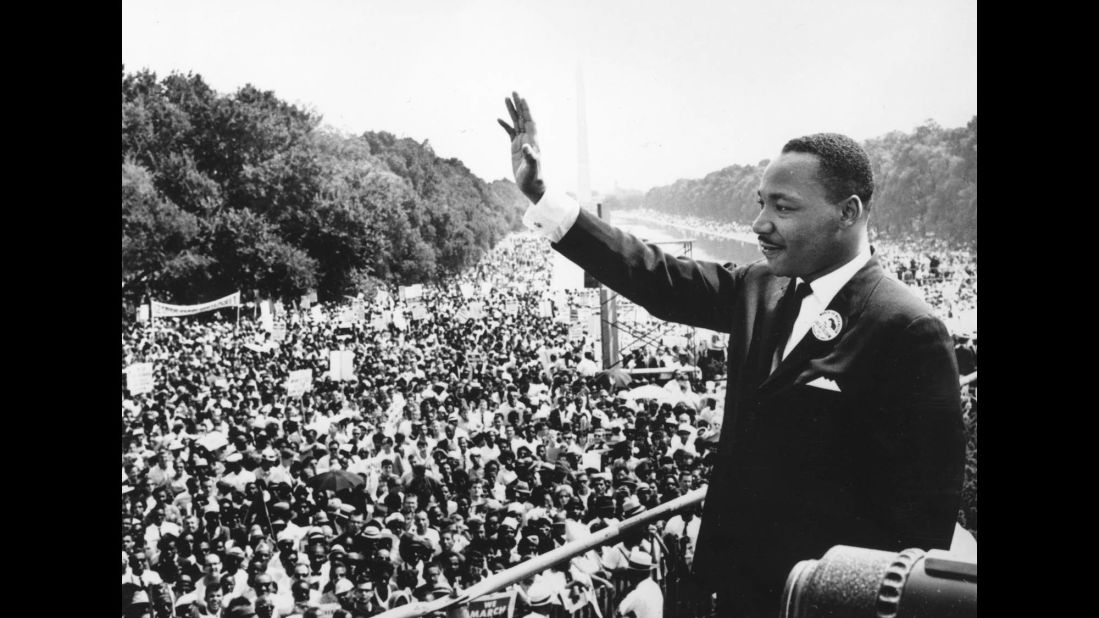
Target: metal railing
(517, 573)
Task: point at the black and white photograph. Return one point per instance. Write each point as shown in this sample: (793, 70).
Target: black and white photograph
(500, 309)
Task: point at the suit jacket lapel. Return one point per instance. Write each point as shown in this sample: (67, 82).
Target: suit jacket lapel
(763, 336)
(848, 303)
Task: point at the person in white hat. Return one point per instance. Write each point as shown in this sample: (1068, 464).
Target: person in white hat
(645, 600)
(540, 599)
(236, 476)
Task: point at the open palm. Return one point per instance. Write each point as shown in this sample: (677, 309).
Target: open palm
(525, 161)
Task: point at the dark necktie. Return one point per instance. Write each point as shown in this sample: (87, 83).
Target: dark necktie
(784, 321)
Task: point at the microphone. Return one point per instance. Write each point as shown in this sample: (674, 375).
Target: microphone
(853, 582)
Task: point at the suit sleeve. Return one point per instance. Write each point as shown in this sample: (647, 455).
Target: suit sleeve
(916, 448)
(681, 290)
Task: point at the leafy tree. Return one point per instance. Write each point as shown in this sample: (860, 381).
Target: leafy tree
(245, 191)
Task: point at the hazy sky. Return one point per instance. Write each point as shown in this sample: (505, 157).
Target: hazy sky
(674, 89)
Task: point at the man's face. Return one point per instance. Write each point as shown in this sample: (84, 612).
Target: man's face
(263, 583)
(410, 503)
(316, 558)
(798, 227)
(213, 565)
(301, 572)
(213, 599)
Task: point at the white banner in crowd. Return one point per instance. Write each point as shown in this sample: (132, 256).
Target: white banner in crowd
(278, 331)
(143, 314)
(545, 309)
(341, 364)
(467, 289)
(408, 292)
(591, 459)
(164, 310)
(299, 382)
(139, 378)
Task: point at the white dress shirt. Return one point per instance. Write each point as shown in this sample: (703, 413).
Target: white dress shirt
(824, 290)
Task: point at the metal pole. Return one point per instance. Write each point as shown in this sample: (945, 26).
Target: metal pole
(608, 318)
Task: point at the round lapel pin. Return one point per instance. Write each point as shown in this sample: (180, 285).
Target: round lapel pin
(827, 325)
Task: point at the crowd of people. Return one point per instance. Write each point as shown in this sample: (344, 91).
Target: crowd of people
(476, 431)
(469, 438)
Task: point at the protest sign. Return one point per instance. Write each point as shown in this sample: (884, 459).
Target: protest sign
(299, 382)
(410, 292)
(278, 331)
(139, 378)
(511, 307)
(674, 341)
(467, 289)
(381, 298)
(576, 331)
(143, 314)
(591, 459)
(341, 364)
(499, 605)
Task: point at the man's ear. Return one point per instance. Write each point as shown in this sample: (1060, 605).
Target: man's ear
(851, 210)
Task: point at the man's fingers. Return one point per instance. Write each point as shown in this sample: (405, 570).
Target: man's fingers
(524, 109)
(514, 113)
(507, 127)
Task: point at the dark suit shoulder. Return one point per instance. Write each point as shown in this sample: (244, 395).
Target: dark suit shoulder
(898, 303)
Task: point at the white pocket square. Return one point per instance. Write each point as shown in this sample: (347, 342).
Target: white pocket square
(825, 383)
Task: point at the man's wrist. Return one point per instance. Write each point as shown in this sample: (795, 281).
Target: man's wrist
(552, 214)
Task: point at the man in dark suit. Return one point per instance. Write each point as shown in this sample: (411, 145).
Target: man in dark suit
(842, 420)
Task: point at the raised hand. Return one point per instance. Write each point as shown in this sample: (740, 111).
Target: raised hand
(525, 157)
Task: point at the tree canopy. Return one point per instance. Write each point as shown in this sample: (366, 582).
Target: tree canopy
(246, 192)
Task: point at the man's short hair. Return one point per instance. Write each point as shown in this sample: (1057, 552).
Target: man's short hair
(844, 165)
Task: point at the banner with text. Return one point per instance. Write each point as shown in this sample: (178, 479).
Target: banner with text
(500, 605)
(164, 310)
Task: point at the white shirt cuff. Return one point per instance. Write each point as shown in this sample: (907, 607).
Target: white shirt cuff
(553, 215)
